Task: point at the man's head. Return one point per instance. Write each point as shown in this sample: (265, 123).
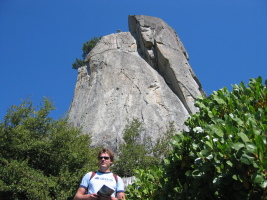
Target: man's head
(106, 151)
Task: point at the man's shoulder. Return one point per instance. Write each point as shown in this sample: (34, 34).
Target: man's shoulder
(116, 177)
(88, 174)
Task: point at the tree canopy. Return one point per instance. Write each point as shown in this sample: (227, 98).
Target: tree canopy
(87, 47)
(222, 155)
(41, 158)
(138, 151)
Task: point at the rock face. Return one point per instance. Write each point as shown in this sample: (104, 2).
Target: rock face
(141, 74)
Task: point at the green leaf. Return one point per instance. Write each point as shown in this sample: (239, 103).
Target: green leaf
(251, 148)
(246, 159)
(235, 177)
(243, 136)
(239, 121)
(219, 100)
(208, 143)
(238, 146)
(210, 114)
(188, 173)
(264, 163)
(260, 146)
(228, 162)
(205, 152)
(259, 142)
(255, 164)
(197, 173)
(264, 184)
(216, 130)
(257, 178)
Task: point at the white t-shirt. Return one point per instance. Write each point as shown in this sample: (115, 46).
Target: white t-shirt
(100, 179)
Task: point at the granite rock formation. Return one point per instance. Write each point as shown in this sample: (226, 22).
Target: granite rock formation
(141, 74)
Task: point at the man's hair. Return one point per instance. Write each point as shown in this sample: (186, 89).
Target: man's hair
(108, 151)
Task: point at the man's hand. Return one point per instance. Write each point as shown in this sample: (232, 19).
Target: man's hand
(94, 196)
(107, 198)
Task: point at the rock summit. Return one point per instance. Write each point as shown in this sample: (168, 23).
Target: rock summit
(143, 74)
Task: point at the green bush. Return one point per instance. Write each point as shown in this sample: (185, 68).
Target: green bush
(137, 152)
(134, 152)
(222, 156)
(41, 158)
(87, 47)
(78, 63)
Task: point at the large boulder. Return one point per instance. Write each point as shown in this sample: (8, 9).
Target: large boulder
(141, 74)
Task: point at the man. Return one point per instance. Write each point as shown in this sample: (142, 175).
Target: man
(91, 184)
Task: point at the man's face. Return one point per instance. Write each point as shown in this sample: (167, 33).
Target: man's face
(104, 161)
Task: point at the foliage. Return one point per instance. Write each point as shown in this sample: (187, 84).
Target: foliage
(222, 156)
(162, 146)
(133, 152)
(41, 158)
(147, 185)
(137, 152)
(87, 47)
(78, 63)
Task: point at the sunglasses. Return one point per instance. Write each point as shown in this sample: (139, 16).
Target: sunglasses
(105, 157)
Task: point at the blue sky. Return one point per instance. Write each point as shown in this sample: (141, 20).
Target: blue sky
(226, 41)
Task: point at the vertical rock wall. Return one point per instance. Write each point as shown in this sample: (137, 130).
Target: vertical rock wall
(141, 74)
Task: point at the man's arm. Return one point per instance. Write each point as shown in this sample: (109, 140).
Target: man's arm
(80, 195)
(120, 195)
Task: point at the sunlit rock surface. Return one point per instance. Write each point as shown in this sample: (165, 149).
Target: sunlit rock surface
(141, 74)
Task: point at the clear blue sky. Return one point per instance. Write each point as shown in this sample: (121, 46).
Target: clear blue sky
(39, 40)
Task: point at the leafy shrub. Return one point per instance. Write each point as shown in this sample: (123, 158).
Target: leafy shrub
(148, 184)
(41, 158)
(137, 152)
(222, 156)
(87, 47)
(78, 63)
(134, 152)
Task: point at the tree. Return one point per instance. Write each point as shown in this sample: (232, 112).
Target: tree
(138, 151)
(222, 156)
(162, 145)
(87, 47)
(78, 63)
(41, 158)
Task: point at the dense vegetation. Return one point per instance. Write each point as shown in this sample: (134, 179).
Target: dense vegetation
(222, 156)
(41, 158)
(137, 152)
(86, 48)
